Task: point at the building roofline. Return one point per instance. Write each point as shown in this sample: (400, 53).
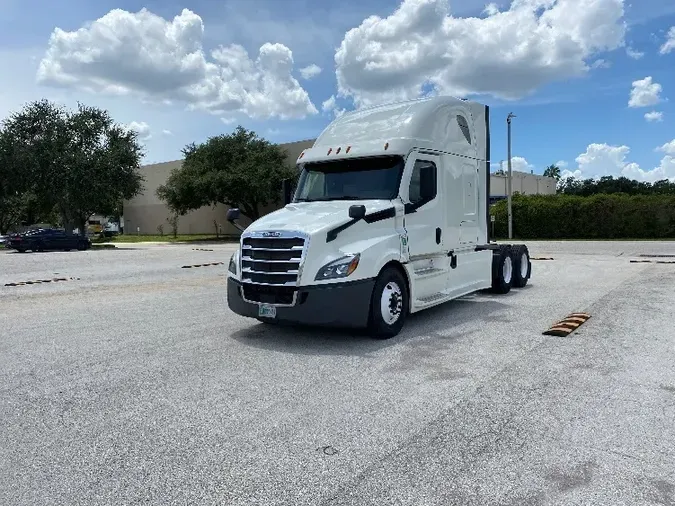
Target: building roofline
(282, 144)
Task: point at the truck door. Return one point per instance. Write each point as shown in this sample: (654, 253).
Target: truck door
(468, 228)
(424, 224)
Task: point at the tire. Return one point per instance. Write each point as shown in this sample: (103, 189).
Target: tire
(388, 304)
(502, 270)
(522, 266)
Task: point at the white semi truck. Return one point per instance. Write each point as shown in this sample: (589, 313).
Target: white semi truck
(390, 216)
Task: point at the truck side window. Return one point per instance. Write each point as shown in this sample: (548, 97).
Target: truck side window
(422, 183)
(464, 127)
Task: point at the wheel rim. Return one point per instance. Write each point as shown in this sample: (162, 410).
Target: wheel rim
(508, 269)
(523, 265)
(391, 303)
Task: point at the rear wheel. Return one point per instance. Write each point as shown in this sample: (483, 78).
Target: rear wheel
(389, 304)
(502, 269)
(522, 265)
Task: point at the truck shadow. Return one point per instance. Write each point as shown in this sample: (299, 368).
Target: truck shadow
(445, 322)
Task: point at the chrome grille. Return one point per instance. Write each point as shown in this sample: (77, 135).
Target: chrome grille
(272, 258)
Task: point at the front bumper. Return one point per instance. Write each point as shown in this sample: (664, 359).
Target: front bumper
(334, 305)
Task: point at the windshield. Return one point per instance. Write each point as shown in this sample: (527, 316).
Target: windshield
(355, 179)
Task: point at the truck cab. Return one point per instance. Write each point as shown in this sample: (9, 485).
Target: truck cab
(390, 216)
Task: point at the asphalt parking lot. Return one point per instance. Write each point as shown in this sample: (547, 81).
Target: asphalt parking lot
(131, 382)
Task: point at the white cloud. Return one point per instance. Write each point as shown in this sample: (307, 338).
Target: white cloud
(606, 160)
(654, 116)
(644, 93)
(665, 170)
(507, 54)
(310, 71)
(601, 64)
(491, 9)
(571, 173)
(668, 148)
(669, 44)
(330, 106)
(167, 132)
(519, 164)
(141, 128)
(565, 172)
(633, 53)
(146, 55)
(603, 160)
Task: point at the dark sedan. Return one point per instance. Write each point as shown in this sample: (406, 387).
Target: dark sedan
(47, 240)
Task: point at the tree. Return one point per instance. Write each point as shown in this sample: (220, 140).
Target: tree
(103, 166)
(173, 221)
(611, 185)
(238, 170)
(11, 203)
(78, 162)
(552, 171)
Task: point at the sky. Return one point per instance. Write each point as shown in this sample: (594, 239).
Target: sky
(591, 82)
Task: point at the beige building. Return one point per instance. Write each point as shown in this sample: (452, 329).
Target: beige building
(521, 182)
(145, 213)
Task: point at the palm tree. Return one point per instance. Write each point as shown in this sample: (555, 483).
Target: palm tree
(552, 171)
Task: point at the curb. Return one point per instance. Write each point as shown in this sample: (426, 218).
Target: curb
(652, 261)
(40, 281)
(201, 265)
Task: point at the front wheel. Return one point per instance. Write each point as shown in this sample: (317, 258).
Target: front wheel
(389, 304)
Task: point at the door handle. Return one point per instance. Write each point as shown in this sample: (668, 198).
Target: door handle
(438, 236)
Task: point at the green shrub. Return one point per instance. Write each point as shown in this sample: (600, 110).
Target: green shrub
(600, 216)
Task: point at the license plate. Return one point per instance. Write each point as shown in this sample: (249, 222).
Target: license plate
(267, 311)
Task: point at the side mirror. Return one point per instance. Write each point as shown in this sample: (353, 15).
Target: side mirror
(287, 191)
(357, 212)
(232, 215)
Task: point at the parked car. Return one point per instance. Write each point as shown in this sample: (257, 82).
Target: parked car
(47, 239)
(4, 240)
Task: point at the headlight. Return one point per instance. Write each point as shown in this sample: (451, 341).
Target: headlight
(340, 268)
(234, 260)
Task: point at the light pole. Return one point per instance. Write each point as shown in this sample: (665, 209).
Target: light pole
(508, 191)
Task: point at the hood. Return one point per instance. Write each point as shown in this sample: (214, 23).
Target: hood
(313, 217)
